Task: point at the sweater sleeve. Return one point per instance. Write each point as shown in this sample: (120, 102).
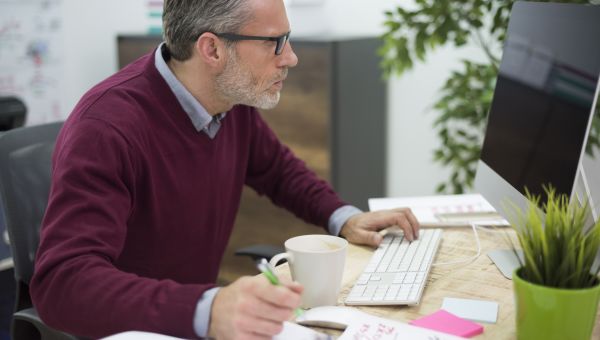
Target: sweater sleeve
(76, 286)
(274, 170)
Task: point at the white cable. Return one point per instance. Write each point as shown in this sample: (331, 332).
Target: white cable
(490, 229)
(469, 259)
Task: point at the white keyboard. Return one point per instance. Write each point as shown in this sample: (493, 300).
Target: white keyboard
(397, 272)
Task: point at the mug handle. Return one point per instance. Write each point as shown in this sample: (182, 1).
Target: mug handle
(275, 259)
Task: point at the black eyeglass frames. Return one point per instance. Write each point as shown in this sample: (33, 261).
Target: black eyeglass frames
(280, 40)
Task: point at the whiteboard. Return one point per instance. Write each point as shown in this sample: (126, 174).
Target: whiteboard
(31, 38)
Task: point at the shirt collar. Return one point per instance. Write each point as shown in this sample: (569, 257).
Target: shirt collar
(197, 113)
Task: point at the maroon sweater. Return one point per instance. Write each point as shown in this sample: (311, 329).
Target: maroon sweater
(142, 206)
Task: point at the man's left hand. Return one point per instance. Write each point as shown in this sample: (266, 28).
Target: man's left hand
(364, 228)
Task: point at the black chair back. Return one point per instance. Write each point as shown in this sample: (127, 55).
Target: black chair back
(12, 113)
(25, 166)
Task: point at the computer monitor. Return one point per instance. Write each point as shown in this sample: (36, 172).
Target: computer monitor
(543, 104)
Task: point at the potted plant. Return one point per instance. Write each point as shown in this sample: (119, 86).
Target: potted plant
(556, 289)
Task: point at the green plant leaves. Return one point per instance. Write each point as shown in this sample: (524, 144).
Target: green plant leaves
(559, 249)
(466, 97)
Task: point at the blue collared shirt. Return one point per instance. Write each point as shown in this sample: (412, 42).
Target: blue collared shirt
(205, 123)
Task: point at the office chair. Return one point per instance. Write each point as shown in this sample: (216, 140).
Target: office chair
(25, 163)
(12, 113)
(259, 251)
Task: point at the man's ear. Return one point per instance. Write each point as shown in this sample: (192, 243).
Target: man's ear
(210, 49)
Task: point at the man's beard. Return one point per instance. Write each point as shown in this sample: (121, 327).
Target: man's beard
(238, 85)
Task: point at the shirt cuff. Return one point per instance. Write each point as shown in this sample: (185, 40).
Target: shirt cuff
(202, 315)
(340, 216)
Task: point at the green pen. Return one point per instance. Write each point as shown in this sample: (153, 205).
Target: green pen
(265, 268)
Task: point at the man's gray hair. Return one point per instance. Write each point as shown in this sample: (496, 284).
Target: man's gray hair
(185, 20)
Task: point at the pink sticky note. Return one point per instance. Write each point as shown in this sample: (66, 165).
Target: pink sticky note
(449, 323)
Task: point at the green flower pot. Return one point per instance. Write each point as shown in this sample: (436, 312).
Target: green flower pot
(554, 313)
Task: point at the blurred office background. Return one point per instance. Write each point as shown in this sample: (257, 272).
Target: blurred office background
(52, 51)
(83, 51)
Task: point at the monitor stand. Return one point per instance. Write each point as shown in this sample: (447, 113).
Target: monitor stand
(506, 260)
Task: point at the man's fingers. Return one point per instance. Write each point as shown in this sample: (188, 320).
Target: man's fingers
(281, 296)
(413, 222)
(266, 310)
(407, 221)
(252, 308)
(259, 326)
(293, 286)
(403, 223)
(370, 238)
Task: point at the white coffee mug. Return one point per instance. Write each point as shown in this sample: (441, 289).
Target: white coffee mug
(316, 262)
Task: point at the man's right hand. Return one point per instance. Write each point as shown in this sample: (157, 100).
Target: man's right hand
(252, 308)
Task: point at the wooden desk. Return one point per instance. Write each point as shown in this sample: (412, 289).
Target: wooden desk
(479, 279)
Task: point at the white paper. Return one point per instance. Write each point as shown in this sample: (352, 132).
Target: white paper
(372, 328)
(291, 331)
(444, 210)
(133, 335)
(474, 310)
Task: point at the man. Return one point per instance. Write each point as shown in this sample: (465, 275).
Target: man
(147, 176)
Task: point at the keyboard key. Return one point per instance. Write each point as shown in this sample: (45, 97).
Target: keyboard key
(410, 254)
(399, 278)
(419, 255)
(363, 279)
(395, 287)
(360, 299)
(387, 259)
(392, 292)
(369, 291)
(427, 259)
(413, 294)
(410, 277)
(403, 295)
(381, 290)
(357, 290)
(395, 265)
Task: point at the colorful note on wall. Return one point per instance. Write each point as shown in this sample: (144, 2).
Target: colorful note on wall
(155, 10)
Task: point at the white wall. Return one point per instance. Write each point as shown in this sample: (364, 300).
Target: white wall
(90, 56)
(90, 29)
(411, 137)
(352, 17)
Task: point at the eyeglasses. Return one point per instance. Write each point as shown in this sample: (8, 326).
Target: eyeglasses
(281, 40)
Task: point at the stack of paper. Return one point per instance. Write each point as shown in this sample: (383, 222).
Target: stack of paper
(444, 210)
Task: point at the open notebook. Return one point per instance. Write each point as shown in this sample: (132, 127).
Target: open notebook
(291, 331)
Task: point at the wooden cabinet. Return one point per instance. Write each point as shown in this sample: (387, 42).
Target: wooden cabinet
(332, 114)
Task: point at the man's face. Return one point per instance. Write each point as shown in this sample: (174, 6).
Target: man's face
(254, 74)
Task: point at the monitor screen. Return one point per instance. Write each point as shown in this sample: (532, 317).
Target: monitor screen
(543, 102)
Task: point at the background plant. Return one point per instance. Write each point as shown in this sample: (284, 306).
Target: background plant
(466, 96)
(558, 248)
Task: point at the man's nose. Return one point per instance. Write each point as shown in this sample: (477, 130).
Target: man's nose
(288, 57)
